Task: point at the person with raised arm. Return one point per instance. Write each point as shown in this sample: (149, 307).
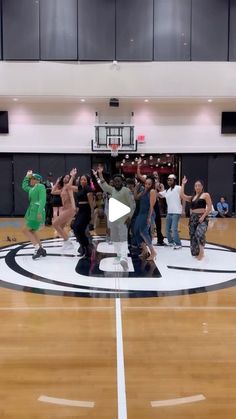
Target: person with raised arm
(201, 205)
(85, 214)
(142, 228)
(63, 187)
(158, 187)
(174, 211)
(118, 228)
(35, 214)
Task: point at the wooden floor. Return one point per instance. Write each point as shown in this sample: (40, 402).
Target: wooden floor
(66, 348)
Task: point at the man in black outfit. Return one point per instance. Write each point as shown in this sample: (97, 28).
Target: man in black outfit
(160, 238)
(48, 183)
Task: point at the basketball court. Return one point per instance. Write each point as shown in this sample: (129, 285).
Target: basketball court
(88, 341)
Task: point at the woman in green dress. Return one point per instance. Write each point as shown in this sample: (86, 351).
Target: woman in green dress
(35, 214)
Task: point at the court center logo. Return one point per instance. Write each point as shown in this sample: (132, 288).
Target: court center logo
(175, 272)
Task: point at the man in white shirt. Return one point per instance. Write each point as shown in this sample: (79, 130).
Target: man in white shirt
(174, 211)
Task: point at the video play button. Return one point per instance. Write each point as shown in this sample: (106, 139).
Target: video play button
(117, 209)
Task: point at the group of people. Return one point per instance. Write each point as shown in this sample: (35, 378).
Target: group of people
(131, 233)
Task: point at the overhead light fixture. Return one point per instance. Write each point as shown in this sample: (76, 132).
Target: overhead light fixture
(82, 100)
(209, 100)
(15, 99)
(146, 100)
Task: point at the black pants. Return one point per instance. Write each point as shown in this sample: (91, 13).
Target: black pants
(80, 224)
(160, 237)
(49, 213)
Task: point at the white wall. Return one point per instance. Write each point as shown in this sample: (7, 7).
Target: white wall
(153, 79)
(49, 116)
(67, 127)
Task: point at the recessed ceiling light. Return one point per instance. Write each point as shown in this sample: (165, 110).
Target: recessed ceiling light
(146, 100)
(82, 100)
(15, 99)
(209, 100)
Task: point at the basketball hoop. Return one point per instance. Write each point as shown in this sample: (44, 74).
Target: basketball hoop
(114, 150)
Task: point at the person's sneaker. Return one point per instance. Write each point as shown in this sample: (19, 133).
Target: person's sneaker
(39, 252)
(116, 260)
(161, 244)
(177, 247)
(170, 244)
(124, 264)
(67, 245)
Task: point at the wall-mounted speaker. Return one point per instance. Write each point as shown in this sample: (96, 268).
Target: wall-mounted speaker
(4, 129)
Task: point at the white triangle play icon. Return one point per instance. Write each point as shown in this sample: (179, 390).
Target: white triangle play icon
(117, 209)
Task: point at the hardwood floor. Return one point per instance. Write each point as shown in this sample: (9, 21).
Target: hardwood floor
(67, 348)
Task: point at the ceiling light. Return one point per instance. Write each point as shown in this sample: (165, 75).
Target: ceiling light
(146, 100)
(15, 99)
(209, 100)
(82, 100)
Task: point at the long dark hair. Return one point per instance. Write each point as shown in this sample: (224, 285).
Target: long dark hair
(152, 178)
(153, 184)
(88, 180)
(61, 181)
(194, 192)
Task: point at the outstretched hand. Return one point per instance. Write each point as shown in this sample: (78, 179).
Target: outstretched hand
(94, 172)
(184, 180)
(29, 173)
(139, 162)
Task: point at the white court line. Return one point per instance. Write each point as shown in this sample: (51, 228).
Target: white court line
(54, 308)
(180, 308)
(180, 400)
(65, 402)
(121, 391)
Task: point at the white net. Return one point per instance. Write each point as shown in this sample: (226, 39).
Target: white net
(114, 150)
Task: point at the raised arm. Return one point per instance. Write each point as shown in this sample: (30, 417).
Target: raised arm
(185, 197)
(56, 190)
(26, 181)
(140, 176)
(101, 181)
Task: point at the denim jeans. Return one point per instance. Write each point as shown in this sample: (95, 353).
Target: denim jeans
(172, 234)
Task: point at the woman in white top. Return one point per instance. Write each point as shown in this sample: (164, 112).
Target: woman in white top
(174, 211)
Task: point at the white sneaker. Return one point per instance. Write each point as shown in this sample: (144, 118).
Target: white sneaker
(67, 245)
(177, 247)
(170, 244)
(124, 264)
